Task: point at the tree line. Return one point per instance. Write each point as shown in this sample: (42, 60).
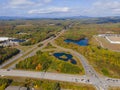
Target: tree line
(6, 53)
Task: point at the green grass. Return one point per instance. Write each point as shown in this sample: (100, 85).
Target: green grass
(105, 71)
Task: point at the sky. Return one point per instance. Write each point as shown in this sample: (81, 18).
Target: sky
(59, 8)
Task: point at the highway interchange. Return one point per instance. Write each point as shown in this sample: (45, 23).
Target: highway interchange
(90, 77)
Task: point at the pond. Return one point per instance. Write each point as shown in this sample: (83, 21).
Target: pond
(18, 40)
(65, 57)
(82, 42)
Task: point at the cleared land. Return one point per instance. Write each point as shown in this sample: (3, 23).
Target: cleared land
(114, 38)
(108, 45)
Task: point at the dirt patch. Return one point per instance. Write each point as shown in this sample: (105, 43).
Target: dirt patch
(108, 45)
(114, 38)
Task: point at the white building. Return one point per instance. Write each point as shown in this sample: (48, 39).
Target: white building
(4, 39)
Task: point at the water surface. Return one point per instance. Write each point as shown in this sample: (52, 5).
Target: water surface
(82, 42)
(66, 57)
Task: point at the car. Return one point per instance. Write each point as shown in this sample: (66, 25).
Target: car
(8, 69)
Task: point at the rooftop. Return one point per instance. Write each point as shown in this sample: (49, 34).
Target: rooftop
(3, 38)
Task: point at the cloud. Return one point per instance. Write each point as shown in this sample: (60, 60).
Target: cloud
(49, 10)
(63, 7)
(47, 1)
(21, 2)
(26, 3)
(107, 4)
(104, 8)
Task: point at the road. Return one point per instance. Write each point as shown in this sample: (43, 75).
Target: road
(99, 82)
(46, 75)
(98, 41)
(12, 59)
(90, 77)
(31, 51)
(57, 76)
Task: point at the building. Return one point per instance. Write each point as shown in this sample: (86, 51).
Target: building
(5, 41)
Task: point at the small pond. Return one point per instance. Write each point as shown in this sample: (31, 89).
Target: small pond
(65, 57)
(18, 40)
(82, 42)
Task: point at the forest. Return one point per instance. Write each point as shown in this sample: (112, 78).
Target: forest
(33, 31)
(6, 53)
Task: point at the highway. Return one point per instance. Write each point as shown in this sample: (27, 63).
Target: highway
(90, 77)
(12, 59)
(46, 75)
(59, 77)
(99, 82)
(25, 54)
(29, 53)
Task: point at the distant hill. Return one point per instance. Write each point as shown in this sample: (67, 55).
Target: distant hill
(77, 17)
(100, 20)
(84, 19)
(9, 18)
(31, 18)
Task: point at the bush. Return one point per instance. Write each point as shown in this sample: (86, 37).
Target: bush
(43, 62)
(4, 83)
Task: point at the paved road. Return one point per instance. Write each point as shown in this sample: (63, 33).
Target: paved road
(92, 77)
(99, 82)
(32, 52)
(46, 75)
(12, 59)
(57, 76)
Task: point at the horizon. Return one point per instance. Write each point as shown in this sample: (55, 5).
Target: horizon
(63, 8)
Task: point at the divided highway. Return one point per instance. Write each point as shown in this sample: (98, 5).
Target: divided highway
(101, 83)
(28, 53)
(46, 75)
(90, 77)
